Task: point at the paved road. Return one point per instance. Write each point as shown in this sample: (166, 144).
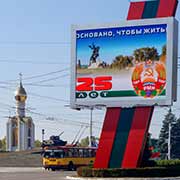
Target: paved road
(32, 174)
(41, 174)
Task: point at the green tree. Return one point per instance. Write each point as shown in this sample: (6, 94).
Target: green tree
(175, 140)
(121, 62)
(143, 54)
(164, 134)
(0, 144)
(84, 141)
(3, 144)
(37, 143)
(146, 154)
(154, 143)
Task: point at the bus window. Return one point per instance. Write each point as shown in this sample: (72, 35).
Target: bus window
(70, 153)
(65, 152)
(80, 152)
(49, 154)
(86, 153)
(59, 154)
(46, 154)
(90, 153)
(75, 152)
(93, 152)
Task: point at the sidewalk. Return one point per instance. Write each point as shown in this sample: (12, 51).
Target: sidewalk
(108, 178)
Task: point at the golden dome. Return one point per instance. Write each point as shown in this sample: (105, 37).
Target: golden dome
(20, 93)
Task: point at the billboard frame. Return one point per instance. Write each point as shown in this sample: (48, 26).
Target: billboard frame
(171, 81)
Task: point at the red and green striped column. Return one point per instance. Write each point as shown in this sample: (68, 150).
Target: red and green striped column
(124, 131)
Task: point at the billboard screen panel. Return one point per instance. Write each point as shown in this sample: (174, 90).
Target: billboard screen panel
(131, 63)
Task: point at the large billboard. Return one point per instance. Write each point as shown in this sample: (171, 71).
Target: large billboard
(132, 63)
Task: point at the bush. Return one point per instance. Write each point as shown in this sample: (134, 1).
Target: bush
(168, 163)
(139, 172)
(84, 171)
(149, 163)
(90, 165)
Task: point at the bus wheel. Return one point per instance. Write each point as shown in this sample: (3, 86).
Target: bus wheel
(71, 166)
(53, 169)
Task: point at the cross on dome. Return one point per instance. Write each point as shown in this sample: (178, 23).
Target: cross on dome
(20, 93)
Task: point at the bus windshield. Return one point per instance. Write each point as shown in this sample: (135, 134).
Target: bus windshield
(54, 154)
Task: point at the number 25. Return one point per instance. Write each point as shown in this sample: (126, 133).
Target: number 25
(101, 83)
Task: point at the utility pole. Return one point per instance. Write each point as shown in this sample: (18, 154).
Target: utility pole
(90, 137)
(169, 142)
(43, 132)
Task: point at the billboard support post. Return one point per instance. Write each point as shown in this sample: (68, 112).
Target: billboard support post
(125, 130)
(90, 137)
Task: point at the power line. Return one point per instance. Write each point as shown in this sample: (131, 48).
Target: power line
(10, 108)
(38, 76)
(48, 97)
(35, 43)
(46, 85)
(7, 106)
(45, 74)
(41, 96)
(48, 118)
(47, 80)
(37, 83)
(32, 62)
(60, 119)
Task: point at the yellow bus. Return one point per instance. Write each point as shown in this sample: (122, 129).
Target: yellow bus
(64, 157)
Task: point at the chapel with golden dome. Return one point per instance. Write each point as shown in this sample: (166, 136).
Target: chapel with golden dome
(20, 128)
